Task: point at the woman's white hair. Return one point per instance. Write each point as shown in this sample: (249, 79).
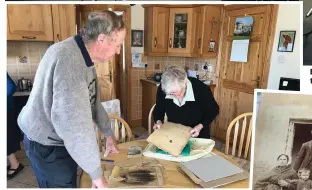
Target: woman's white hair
(173, 76)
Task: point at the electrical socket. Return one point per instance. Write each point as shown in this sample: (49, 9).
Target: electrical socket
(208, 68)
(157, 66)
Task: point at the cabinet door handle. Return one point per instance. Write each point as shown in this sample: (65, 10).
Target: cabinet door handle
(170, 42)
(199, 43)
(155, 42)
(29, 37)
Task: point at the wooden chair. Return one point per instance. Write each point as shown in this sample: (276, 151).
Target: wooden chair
(122, 131)
(246, 132)
(150, 120)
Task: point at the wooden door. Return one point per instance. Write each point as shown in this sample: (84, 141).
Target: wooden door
(64, 21)
(198, 19)
(180, 30)
(29, 22)
(107, 71)
(157, 28)
(237, 80)
(212, 23)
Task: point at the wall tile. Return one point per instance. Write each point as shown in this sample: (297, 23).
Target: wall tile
(30, 52)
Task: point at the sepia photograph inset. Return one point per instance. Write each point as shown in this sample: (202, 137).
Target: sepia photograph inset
(283, 142)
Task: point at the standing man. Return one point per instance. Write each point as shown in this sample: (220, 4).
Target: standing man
(304, 157)
(65, 102)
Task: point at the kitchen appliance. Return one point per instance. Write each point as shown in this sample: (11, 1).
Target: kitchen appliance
(24, 85)
(157, 77)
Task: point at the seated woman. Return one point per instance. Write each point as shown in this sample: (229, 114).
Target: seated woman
(186, 101)
(278, 177)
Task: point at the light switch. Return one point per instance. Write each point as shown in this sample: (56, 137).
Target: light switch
(285, 83)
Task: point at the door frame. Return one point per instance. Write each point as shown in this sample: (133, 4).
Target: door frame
(127, 77)
(273, 11)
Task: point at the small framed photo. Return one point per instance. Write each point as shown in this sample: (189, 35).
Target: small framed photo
(137, 38)
(212, 46)
(286, 41)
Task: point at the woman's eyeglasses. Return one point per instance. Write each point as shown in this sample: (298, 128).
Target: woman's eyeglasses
(179, 93)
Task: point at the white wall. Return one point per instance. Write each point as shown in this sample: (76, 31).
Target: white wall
(137, 23)
(288, 19)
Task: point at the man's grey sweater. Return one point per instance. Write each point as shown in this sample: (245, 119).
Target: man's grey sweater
(65, 102)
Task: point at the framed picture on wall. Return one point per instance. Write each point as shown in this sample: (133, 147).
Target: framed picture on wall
(137, 38)
(286, 41)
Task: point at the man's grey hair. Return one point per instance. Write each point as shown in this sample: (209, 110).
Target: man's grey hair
(104, 22)
(172, 76)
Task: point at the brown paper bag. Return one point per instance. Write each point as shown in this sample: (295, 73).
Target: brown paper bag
(171, 138)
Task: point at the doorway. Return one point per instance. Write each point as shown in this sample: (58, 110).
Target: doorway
(302, 134)
(112, 74)
(237, 80)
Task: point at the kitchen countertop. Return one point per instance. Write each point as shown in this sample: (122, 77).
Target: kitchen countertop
(151, 81)
(27, 93)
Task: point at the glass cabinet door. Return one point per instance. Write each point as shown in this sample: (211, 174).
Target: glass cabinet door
(180, 30)
(180, 26)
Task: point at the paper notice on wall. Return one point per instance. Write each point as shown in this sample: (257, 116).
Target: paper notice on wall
(239, 50)
(242, 32)
(137, 60)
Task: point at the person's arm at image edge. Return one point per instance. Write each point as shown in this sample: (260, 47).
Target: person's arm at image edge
(11, 86)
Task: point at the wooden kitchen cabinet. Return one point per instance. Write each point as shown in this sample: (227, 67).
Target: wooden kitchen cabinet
(29, 22)
(149, 92)
(180, 30)
(156, 26)
(212, 23)
(198, 20)
(64, 21)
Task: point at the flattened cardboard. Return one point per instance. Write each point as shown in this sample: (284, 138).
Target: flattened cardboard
(212, 168)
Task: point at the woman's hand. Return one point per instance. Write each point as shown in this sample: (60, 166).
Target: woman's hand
(196, 130)
(157, 125)
(283, 183)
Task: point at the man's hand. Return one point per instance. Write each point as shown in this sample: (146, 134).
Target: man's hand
(99, 183)
(158, 125)
(196, 130)
(111, 146)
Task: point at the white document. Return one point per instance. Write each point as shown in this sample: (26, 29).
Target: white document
(137, 60)
(239, 52)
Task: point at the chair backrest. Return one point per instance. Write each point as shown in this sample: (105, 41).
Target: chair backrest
(151, 120)
(244, 128)
(122, 131)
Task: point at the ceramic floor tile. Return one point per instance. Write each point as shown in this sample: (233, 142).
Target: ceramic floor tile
(30, 186)
(24, 161)
(33, 182)
(25, 176)
(15, 184)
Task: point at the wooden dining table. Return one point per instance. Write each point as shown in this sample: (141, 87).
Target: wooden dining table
(173, 178)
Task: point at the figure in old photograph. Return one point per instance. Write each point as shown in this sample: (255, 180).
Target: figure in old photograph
(278, 177)
(304, 157)
(303, 183)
